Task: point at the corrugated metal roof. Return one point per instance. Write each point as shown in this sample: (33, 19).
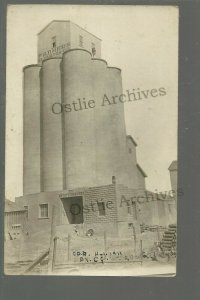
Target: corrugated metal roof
(12, 206)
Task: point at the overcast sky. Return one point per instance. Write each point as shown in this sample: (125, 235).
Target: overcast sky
(141, 40)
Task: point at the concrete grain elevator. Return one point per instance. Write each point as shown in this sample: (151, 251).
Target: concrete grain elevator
(80, 148)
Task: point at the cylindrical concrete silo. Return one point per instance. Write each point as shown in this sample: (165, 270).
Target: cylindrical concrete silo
(117, 125)
(109, 125)
(79, 133)
(103, 143)
(51, 126)
(31, 132)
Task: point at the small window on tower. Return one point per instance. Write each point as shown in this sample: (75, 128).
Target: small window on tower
(130, 150)
(53, 41)
(93, 49)
(101, 208)
(80, 41)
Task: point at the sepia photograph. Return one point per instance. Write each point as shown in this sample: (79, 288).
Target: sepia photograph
(91, 140)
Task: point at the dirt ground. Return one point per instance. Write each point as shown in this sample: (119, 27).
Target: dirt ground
(147, 268)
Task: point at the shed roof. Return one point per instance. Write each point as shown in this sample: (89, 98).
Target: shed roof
(132, 140)
(12, 206)
(173, 166)
(141, 170)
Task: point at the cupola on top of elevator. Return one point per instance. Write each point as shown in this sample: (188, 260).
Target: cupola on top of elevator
(60, 35)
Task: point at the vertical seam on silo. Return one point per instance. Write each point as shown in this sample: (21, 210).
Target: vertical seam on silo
(63, 129)
(41, 132)
(23, 131)
(94, 118)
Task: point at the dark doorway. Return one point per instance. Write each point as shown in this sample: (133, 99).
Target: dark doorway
(73, 208)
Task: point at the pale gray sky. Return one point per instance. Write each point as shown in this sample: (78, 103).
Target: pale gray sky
(141, 40)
